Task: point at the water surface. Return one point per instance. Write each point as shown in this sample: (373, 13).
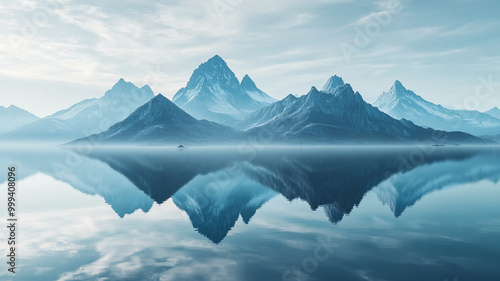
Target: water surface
(337, 213)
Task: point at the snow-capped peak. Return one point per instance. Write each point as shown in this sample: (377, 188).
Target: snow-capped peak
(214, 93)
(333, 83)
(397, 94)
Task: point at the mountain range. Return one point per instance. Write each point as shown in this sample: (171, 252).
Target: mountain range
(214, 93)
(160, 121)
(338, 115)
(84, 118)
(215, 108)
(13, 117)
(400, 102)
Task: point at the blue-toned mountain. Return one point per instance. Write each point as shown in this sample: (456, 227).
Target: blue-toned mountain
(400, 102)
(214, 93)
(339, 116)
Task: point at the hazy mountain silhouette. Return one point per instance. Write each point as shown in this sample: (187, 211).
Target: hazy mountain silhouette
(400, 102)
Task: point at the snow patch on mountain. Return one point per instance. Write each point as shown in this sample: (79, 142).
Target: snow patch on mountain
(214, 93)
(400, 103)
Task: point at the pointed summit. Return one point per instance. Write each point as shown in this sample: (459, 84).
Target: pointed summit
(341, 117)
(159, 109)
(249, 87)
(216, 59)
(397, 93)
(398, 86)
(401, 103)
(160, 97)
(126, 89)
(160, 121)
(247, 83)
(13, 117)
(91, 115)
(495, 112)
(214, 93)
(333, 83)
(290, 97)
(216, 65)
(121, 84)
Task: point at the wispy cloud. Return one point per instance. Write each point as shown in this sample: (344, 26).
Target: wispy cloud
(94, 43)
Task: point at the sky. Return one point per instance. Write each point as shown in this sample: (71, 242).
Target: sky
(54, 53)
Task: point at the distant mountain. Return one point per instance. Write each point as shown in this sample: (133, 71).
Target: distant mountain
(14, 117)
(332, 84)
(495, 112)
(338, 116)
(161, 122)
(214, 93)
(87, 117)
(400, 103)
(261, 117)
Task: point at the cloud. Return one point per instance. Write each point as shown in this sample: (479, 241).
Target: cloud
(94, 43)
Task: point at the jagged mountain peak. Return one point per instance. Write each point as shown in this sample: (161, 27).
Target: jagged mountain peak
(400, 102)
(214, 64)
(398, 85)
(16, 109)
(332, 83)
(214, 93)
(248, 83)
(397, 89)
(216, 60)
(123, 88)
(122, 84)
(290, 97)
(146, 88)
(13, 117)
(396, 94)
(213, 72)
(345, 90)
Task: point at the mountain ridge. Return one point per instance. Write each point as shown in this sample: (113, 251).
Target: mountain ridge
(214, 93)
(340, 116)
(13, 117)
(86, 117)
(400, 102)
(161, 121)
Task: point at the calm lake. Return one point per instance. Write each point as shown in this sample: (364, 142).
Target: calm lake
(252, 213)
